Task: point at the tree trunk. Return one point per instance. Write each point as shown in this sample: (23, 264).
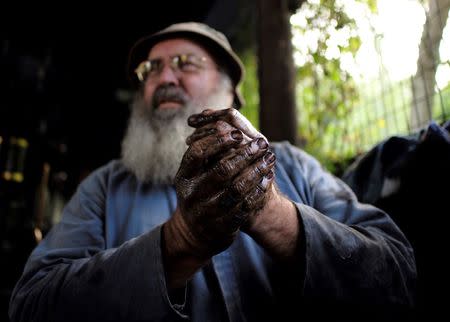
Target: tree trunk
(424, 80)
(278, 116)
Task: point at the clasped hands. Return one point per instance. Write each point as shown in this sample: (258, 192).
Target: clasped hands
(224, 180)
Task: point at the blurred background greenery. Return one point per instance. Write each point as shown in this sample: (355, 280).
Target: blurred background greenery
(365, 69)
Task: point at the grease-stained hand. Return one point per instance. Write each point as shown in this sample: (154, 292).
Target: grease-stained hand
(223, 179)
(216, 197)
(212, 120)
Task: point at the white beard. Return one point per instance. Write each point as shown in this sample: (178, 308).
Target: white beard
(154, 143)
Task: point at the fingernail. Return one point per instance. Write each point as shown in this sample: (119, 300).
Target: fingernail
(269, 158)
(237, 135)
(262, 143)
(193, 119)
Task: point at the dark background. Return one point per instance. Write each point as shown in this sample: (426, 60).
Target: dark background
(63, 88)
(62, 71)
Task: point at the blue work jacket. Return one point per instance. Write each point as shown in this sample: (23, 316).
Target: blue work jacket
(103, 261)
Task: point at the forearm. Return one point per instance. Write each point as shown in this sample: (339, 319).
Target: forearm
(125, 283)
(357, 263)
(365, 262)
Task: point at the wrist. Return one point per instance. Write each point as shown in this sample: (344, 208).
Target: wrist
(276, 227)
(179, 241)
(263, 217)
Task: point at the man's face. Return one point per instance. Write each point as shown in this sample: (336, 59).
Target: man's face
(154, 143)
(173, 85)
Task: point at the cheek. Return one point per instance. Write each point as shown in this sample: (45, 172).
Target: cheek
(201, 86)
(148, 92)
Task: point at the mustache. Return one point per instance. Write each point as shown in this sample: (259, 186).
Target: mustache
(166, 93)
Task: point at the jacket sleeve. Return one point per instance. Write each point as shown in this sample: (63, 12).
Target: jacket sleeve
(353, 252)
(70, 276)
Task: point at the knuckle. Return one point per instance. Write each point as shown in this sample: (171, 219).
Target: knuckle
(254, 200)
(230, 114)
(230, 111)
(247, 205)
(238, 187)
(259, 190)
(188, 156)
(265, 183)
(234, 113)
(183, 188)
(258, 171)
(195, 151)
(223, 168)
(221, 125)
(178, 179)
(248, 151)
(220, 138)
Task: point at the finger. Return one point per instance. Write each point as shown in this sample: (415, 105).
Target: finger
(199, 152)
(250, 177)
(230, 115)
(256, 199)
(236, 161)
(244, 181)
(220, 127)
(205, 117)
(201, 133)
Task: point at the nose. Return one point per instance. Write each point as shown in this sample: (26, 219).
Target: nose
(168, 76)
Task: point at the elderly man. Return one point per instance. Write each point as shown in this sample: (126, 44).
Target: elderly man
(202, 219)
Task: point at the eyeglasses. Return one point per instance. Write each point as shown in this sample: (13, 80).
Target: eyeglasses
(184, 63)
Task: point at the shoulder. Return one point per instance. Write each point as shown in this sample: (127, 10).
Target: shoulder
(297, 163)
(103, 176)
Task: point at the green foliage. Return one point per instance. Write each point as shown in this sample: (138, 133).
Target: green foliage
(249, 88)
(372, 4)
(326, 91)
(441, 105)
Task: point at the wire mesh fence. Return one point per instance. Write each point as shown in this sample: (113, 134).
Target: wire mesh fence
(381, 112)
(386, 107)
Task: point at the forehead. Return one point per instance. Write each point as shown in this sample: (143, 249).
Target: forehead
(175, 46)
